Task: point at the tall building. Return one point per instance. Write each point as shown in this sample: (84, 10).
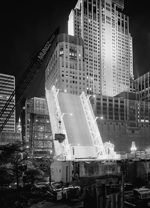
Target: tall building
(66, 69)
(141, 85)
(107, 44)
(7, 86)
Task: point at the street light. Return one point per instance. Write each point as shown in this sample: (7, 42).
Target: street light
(101, 117)
(62, 115)
(63, 90)
(88, 96)
(58, 90)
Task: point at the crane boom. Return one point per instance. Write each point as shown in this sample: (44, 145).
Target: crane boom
(26, 80)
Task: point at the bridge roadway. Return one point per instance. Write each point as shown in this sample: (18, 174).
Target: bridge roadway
(76, 125)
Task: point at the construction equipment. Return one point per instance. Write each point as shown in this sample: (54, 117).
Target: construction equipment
(26, 80)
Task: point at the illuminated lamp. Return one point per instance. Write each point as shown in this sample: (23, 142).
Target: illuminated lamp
(133, 147)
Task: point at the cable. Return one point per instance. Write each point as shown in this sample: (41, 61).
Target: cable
(39, 82)
(2, 86)
(22, 66)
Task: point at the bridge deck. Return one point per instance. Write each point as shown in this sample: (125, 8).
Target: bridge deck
(76, 125)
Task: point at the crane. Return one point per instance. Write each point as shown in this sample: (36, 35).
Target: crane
(26, 80)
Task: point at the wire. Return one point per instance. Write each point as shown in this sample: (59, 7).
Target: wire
(16, 72)
(7, 81)
(22, 66)
(39, 83)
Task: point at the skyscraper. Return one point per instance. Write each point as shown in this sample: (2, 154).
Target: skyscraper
(141, 86)
(107, 44)
(7, 86)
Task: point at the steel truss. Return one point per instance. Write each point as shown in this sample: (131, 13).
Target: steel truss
(56, 117)
(93, 128)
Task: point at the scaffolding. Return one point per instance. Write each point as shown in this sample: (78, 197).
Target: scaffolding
(39, 134)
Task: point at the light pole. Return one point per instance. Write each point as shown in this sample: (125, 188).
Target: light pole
(101, 118)
(90, 100)
(88, 96)
(58, 90)
(62, 115)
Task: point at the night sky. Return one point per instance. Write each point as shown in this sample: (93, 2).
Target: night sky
(26, 24)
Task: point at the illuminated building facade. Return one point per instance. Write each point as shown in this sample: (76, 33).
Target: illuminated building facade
(18, 126)
(123, 119)
(125, 107)
(107, 44)
(141, 86)
(38, 129)
(7, 86)
(66, 69)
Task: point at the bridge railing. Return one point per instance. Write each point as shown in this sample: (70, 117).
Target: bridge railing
(62, 150)
(93, 128)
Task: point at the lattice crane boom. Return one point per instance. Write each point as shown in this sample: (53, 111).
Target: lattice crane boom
(26, 80)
